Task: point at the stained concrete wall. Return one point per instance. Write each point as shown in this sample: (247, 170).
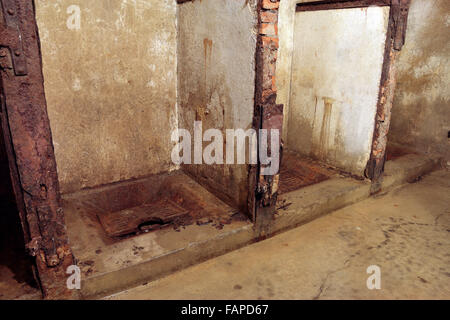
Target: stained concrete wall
(286, 18)
(110, 87)
(336, 72)
(286, 22)
(421, 110)
(216, 58)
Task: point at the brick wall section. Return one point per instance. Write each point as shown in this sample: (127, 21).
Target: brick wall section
(268, 33)
(268, 115)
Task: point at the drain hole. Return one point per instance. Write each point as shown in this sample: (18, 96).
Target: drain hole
(151, 225)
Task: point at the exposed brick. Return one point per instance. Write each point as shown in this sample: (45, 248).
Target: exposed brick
(269, 16)
(269, 68)
(270, 41)
(272, 69)
(268, 29)
(268, 112)
(270, 4)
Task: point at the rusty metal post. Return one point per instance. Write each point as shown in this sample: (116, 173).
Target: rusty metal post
(29, 145)
(395, 40)
(268, 115)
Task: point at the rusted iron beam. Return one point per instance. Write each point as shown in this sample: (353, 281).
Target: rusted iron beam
(394, 43)
(339, 4)
(399, 18)
(28, 138)
(267, 114)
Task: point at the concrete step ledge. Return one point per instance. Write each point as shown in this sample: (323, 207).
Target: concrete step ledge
(300, 207)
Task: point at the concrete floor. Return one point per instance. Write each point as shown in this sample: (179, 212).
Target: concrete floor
(405, 232)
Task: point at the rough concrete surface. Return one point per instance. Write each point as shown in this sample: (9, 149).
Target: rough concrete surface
(286, 18)
(404, 232)
(110, 85)
(216, 83)
(421, 112)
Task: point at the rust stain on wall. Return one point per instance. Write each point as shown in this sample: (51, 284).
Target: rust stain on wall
(325, 129)
(216, 51)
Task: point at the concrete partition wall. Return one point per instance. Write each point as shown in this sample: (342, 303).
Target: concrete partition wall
(336, 72)
(421, 109)
(110, 82)
(216, 82)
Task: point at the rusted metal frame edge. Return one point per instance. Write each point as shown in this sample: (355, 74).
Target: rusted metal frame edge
(339, 4)
(376, 163)
(30, 142)
(263, 189)
(11, 37)
(254, 171)
(375, 166)
(29, 222)
(25, 220)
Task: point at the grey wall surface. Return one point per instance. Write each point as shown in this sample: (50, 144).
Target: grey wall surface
(216, 81)
(421, 110)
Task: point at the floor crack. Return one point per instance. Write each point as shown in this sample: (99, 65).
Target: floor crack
(322, 286)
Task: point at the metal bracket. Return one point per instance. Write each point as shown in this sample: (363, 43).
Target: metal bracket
(11, 37)
(400, 9)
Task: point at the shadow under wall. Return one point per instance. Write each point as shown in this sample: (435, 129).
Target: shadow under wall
(16, 274)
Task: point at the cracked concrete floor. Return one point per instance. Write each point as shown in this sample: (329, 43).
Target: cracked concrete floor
(405, 232)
